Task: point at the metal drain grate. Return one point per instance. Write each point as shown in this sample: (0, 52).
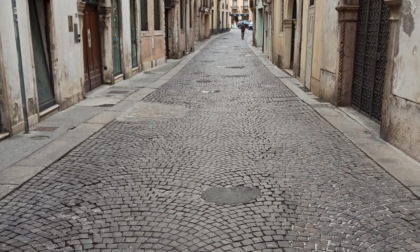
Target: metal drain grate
(203, 81)
(231, 195)
(236, 67)
(118, 92)
(45, 128)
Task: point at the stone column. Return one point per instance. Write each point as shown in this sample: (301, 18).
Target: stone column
(298, 39)
(105, 29)
(394, 17)
(81, 13)
(347, 19)
(287, 29)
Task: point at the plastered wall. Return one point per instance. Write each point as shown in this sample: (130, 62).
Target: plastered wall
(66, 55)
(401, 126)
(11, 70)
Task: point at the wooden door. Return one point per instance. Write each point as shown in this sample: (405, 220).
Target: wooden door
(91, 48)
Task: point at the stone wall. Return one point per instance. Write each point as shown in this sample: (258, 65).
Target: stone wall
(401, 114)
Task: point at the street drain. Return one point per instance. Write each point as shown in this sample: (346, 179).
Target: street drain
(105, 105)
(231, 195)
(210, 91)
(40, 137)
(236, 76)
(118, 92)
(203, 81)
(45, 128)
(236, 67)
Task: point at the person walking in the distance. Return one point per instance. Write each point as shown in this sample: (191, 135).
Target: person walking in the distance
(243, 31)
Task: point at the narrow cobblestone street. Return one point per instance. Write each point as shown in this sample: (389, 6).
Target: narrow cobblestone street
(223, 121)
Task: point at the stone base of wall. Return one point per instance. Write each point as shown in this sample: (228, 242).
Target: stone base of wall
(70, 101)
(20, 127)
(153, 63)
(400, 126)
(328, 86)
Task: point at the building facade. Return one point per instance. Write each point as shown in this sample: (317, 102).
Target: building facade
(240, 10)
(65, 49)
(352, 53)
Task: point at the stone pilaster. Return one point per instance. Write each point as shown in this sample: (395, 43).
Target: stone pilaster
(105, 29)
(394, 17)
(347, 19)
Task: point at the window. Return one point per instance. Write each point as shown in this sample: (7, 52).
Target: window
(191, 16)
(235, 4)
(157, 14)
(312, 2)
(182, 6)
(144, 16)
(281, 15)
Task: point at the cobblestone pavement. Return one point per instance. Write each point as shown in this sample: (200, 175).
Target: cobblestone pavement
(223, 121)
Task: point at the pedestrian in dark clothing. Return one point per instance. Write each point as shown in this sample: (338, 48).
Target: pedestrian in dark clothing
(243, 31)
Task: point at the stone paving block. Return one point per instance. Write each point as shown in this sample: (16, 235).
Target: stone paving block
(139, 95)
(104, 117)
(138, 184)
(16, 175)
(6, 189)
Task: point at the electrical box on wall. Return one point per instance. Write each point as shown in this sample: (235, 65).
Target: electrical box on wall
(76, 34)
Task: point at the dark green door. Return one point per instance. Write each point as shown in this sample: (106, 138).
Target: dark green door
(116, 49)
(40, 45)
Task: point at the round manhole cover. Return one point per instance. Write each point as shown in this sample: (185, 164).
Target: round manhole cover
(231, 195)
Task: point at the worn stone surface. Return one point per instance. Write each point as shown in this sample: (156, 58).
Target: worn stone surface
(137, 185)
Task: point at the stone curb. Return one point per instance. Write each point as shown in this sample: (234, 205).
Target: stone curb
(14, 176)
(396, 163)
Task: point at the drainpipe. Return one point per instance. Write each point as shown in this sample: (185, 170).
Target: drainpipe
(22, 81)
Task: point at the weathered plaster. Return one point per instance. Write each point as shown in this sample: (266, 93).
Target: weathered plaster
(317, 48)
(11, 70)
(407, 18)
(407, 61)
(278, 35)
(403, 130)
(329, 51)
(4, 106)
(67, 54)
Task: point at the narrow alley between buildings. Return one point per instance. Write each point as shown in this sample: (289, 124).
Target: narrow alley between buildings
(223, 157)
